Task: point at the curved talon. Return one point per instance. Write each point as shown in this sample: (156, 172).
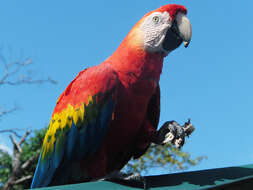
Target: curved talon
(169, 137)
(188, 128)
(179, 142)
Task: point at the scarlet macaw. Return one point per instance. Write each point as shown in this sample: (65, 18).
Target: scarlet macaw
(109, 113)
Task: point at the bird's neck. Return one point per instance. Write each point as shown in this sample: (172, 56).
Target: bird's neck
(133, 64)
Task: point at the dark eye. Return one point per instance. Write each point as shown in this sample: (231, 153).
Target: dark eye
(156, 19)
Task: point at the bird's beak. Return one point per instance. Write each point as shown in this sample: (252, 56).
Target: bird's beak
(179, 32)
(184, 28)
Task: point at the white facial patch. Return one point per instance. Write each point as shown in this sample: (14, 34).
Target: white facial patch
(154, 28)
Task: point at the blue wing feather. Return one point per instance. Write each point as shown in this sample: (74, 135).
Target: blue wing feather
(74, 144)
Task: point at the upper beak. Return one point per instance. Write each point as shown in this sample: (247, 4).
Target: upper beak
(184, 28)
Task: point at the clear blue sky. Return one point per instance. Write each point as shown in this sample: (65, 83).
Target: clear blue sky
(210, 82)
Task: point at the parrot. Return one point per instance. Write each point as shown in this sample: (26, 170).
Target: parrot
(110, 112)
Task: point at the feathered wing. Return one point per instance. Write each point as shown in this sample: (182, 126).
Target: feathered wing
(149, 126)
(78, 124)
(153, 111)
(148, 129)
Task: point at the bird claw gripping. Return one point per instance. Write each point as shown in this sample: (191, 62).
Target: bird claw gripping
(172, 132)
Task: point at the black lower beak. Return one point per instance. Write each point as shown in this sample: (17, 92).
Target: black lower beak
(172, 39)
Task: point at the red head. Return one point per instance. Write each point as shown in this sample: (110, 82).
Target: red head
(173, 9)
(162, 30)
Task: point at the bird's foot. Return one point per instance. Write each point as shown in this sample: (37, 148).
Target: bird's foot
(172, 132)
(132, 179)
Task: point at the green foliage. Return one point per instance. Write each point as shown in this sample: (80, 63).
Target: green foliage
(29, 149)
(167, 157)
(5, 166)
(32, 146)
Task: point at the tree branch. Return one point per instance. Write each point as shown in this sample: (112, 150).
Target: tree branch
(16, 66)
(17, 148)
(28, 80)
(13, 68)
(16, 163)
(21, 180)
(4, 112)
(30, 161)
(13, 131)
(24, 137)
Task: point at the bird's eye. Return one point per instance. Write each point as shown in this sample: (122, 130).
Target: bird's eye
(156, 19)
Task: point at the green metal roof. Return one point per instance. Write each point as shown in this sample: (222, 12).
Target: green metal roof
(231, 178)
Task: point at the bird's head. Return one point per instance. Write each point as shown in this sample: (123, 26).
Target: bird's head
(162, 30)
